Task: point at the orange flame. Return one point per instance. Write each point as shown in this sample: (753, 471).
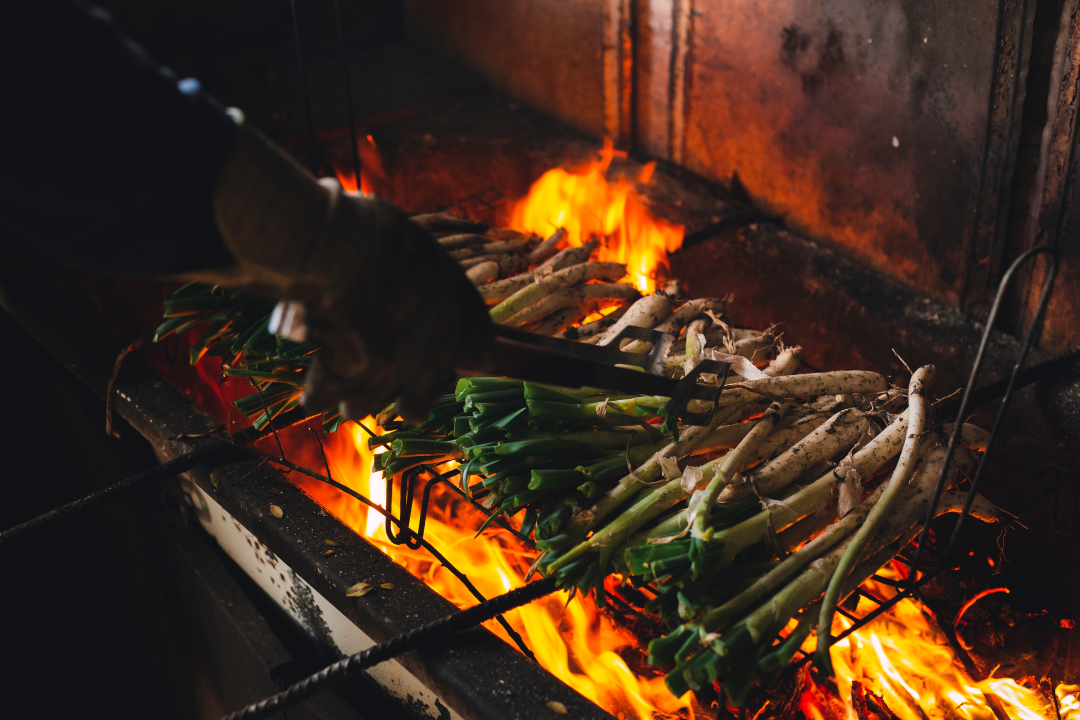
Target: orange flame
(590, 206)
(575, 642)
(372, 169)
(907, 661)
(900, 656)
(348, 182)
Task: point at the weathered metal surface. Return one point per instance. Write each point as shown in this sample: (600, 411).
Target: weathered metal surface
(617, 55)
(305, 605)
(547, 53)
(887, 128)
(863, 125)
(230, 651)
(987, 242)
(477, 675)
(653, 28)
(1053, 211)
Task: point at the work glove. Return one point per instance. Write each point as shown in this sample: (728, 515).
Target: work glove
(393, 313)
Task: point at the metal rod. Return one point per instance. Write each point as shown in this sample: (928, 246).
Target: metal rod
(211, 451)
(424, 635)
(970, 388)
(1029, 340)
(214, 452)
(348, 95)
(402, 529)
(445, 478)
(269, 419)
(910, 587)
(304, 88)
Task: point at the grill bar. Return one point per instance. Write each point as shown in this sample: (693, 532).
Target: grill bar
(54, 309)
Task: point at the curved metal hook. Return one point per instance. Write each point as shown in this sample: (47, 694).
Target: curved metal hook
(1044, 297)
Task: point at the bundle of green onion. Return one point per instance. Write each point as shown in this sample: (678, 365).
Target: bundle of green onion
(537, 449)
(714, 540)
(762, 517)
(235, 328)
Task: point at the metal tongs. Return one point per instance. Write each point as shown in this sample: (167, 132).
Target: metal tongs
(538, 358)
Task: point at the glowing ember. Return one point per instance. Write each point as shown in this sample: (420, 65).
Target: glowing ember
(905, 660)
(589, 206)
(967, 606)
(575, 642)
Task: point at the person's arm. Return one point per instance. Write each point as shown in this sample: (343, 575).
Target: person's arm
(105, 161)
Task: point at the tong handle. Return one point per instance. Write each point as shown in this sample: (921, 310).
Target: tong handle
(609, 354)
(555, 361)
(688, 389)
(539, 358)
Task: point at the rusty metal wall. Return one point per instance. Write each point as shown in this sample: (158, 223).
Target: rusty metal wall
(1053, 216)
(654, 43)
(886, 129)
(547, 53)
(860, 124)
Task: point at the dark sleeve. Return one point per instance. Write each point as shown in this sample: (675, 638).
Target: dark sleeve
(105, 160)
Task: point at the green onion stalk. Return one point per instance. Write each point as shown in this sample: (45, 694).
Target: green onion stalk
(235, 327)
(739, 640)
(526, 448)
(574, 558)
(905, 467)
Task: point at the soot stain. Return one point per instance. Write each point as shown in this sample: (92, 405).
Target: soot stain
(795, 44)
(307, 609)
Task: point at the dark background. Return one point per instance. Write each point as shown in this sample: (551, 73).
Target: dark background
(81, 632)
(96, 616)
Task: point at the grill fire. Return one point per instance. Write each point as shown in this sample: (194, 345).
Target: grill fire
(899, 666)
(902, 657)
(905, 659)
(847, 180)
(573, 640)
(590, 206)
(577, 643)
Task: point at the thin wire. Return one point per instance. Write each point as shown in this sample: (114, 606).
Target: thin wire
(424, 543)
(348, 94)
(406, 642)
(322, 450)
(970, 388)
(930, 575)
(445, 477)
(1029, 340)
(269, 420)
(304, 88)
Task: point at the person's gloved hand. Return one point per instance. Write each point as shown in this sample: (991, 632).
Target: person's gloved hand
(392, 311)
